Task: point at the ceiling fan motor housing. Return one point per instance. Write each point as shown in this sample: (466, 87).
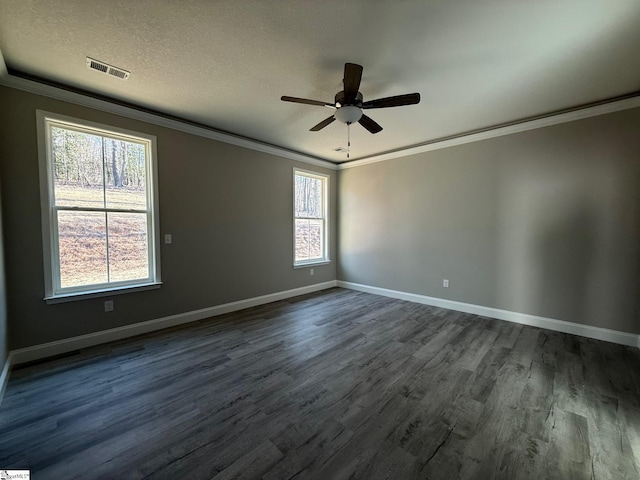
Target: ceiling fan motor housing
(342, 100)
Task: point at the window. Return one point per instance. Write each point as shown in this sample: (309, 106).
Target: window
(310, 212)
(98, 207)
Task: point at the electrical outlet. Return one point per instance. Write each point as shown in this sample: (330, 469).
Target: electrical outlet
(108, 306)
(168, 239)
(445, 283)
(311, 272)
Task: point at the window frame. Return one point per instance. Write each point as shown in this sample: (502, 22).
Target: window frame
(325, 218)
(54, 292)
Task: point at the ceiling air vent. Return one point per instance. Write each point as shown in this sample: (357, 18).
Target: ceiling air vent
(108, 69)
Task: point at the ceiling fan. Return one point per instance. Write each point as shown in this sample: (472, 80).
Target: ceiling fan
(349, 102)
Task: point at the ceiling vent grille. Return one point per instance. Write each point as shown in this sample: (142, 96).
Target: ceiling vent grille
(108, 69)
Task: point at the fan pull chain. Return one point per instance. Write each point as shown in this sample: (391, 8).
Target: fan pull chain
(348, 139)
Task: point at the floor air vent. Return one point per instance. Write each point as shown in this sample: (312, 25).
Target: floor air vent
(108, 69)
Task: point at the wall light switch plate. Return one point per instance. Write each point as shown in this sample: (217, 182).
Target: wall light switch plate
(168, 239)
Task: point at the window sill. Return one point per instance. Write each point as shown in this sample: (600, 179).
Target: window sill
(107, 292)
(311, 264)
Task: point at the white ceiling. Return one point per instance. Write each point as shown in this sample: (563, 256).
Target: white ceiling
(225, 64)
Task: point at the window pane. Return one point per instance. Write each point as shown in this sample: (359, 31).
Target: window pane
(82, 244)
(302, 240)
(77, 168)
(309, 236)
(308, 197)
(128, 248)
(125, 168)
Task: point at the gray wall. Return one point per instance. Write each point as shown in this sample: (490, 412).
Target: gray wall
(545, 222)
(229, 210)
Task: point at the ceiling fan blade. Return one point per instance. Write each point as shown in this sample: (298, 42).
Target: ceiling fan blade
(369, 124)
(352, 77)
(306, 101)
(397, 101)
(322, 124)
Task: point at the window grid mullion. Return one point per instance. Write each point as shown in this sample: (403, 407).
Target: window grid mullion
(308, 239)
(96, 209)
(106, 231)
(104, 202)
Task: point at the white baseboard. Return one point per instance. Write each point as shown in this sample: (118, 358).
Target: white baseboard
(588, 331)
(4, 376)
(58, 347)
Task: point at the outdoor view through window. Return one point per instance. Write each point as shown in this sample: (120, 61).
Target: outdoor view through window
(100, 209)
(310, 218)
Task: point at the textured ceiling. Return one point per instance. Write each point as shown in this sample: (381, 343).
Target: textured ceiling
(225, 64)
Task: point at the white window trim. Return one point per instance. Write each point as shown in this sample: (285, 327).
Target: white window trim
(325, 196)
(47, 202)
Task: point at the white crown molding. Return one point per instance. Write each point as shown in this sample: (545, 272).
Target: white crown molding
(547, 121)
(37, 352)
(588, 331)
(491, 132)
(124, 111)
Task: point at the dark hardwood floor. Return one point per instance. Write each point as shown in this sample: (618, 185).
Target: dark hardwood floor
(333, 385)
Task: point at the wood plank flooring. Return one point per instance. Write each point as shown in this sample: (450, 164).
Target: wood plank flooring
(333, 385)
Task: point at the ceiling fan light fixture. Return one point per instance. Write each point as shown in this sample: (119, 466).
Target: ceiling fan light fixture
(348, 114)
